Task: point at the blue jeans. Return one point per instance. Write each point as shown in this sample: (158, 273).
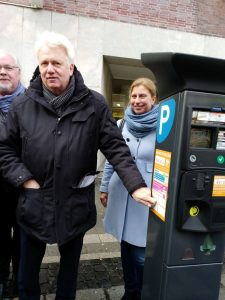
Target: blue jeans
(32, 253)
(133, 258)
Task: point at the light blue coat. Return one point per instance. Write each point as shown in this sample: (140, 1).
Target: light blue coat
(125, 218)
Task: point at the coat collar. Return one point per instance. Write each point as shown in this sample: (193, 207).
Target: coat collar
(78, 100)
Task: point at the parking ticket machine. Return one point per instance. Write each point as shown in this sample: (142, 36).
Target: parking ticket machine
(185, 243)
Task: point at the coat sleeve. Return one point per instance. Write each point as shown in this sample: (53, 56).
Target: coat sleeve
(117, 152)
(108, 171)
(11, 166)
(107, 174)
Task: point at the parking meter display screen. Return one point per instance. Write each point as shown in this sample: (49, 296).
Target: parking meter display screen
(201, 138)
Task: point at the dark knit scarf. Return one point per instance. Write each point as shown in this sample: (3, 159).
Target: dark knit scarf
(141, 125)
(58, 102)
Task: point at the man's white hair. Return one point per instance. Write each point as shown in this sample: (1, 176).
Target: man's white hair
(4, 52)
(51, 39)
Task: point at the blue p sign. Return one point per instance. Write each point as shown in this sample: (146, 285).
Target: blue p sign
(166, 117)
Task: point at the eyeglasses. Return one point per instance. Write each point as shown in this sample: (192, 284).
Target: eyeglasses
(8, 68)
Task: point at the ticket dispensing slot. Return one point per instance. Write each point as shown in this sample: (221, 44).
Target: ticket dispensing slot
(201, 200)
(202, 206)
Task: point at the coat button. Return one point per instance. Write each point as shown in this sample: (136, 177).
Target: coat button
(59, 132)
(127, 139)
(133, 157)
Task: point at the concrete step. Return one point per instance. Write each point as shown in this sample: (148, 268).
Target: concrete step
(114, 293)
(96, 246)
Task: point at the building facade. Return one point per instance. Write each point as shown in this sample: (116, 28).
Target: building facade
(110, 35)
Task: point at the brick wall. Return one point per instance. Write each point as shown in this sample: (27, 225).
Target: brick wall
(197, 16)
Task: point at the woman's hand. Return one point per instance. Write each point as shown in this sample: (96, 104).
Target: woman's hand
(104, 198)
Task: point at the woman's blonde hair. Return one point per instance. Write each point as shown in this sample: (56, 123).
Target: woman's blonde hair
(147, 83)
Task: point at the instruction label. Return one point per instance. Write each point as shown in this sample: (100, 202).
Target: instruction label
(160, 181)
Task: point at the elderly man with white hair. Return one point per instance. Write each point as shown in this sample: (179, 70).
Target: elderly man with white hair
(49, 148)
(10, 88)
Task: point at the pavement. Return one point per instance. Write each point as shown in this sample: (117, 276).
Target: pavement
(100, 272)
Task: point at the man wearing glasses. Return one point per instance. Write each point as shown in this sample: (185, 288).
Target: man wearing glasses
(10, 87)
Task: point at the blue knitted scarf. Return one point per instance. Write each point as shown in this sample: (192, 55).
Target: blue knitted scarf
(5, 101)
(140, 125)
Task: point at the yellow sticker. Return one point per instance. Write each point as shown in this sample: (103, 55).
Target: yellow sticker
(194, 211)
(218, 186)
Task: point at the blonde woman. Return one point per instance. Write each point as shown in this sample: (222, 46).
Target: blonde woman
(124, 218)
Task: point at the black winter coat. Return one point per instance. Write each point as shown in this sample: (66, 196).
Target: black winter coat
(9, 194)
(59, 152)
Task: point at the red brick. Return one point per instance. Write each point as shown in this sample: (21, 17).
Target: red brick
(198, 16)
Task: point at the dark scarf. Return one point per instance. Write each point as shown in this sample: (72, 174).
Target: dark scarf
(58, 102)
(141, 125)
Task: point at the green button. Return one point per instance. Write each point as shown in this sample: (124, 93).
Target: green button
(220, 159)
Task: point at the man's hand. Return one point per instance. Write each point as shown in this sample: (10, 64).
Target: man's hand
(31, 184)
(143, 195)
(104, 198)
